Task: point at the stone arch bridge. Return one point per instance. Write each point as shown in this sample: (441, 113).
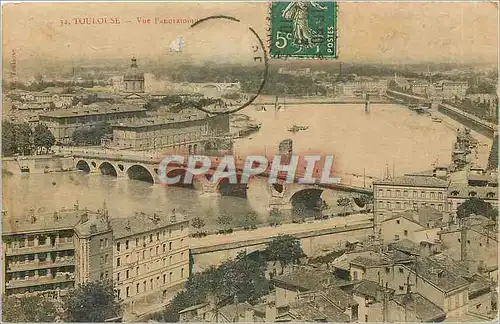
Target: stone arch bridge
(145, 168)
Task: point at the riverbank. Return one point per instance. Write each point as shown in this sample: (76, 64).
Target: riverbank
(36, 164)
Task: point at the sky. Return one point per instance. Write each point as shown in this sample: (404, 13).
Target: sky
(368, 32)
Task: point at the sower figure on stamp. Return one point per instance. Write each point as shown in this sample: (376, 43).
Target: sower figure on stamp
(298, 13)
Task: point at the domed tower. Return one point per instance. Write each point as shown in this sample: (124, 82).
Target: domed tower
(133, 79)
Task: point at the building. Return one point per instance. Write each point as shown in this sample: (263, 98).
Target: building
(63, 123)
(451, 89)
(38, 253)
(475, 242)
(359, 88)
(191, 132)
(133, 79)
(459, 193)
(421, 224)
(420, 88)
(427, 277)
(147, 256)
(408, 192)
(373, 301)
(413, 307)
(151, 255)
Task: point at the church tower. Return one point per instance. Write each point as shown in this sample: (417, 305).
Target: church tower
(133, 79)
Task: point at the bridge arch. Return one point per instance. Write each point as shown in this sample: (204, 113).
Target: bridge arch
(107, 168)
(195, 184)
(82, 165)
(141, 173)
(225, 188)
(306, 202)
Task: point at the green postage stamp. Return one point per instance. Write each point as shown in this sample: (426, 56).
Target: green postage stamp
(303, 29)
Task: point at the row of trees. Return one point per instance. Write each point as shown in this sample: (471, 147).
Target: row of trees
(242, 278)
(95, 301)
(21, 139)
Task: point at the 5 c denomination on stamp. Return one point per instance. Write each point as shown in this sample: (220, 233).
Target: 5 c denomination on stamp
(303, 29)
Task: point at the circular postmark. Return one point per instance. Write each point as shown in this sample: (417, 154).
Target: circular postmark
(257, 56)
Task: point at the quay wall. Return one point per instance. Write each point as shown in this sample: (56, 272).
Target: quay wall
(312, 241)
(37, 164)
(481, 129)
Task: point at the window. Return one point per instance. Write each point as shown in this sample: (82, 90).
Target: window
(406, 233)
(117, 262)
(380, 192)
(422, 194)
(401, 288)
(144, 254)
(151, 283)
(157, 250)
(164, 279)
(102, 259)
(182, 256)
(405, 194)
(182, 273)
(158, 236)
(118, 246)
(355, 275)
(396, 237)
(366, 318)
(137, 271)
(170, 246)
(398, 193)
(127, 274)
(164, 248)
(440, 207)
(440, 195)
(414, 194)
(398, 222)
(401, 270)
(102, 275)
(126, 245)
(170, 260)
(126, 259)
(150, 252)
(163, 234)
(170, 277)
(144, 285)
(137, 288)
(128, 291)
(387, 270)
(398, 205)
(150, 238)
(107, 273)
(169, 232)
(182, 242)
(433, 195)
(106, 258)
(101, 243)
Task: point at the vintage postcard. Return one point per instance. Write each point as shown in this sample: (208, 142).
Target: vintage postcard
(300, 161)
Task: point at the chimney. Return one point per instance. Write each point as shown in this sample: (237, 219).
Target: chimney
(93, 228)
(84, 218)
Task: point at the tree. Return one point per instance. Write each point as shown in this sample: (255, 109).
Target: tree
(43, 138)
(95, 301)
(284, 248)
(9, 144)
(250, 220)
(198, 224)
(28, 308)
(476, 206)
(23, 138)
(224, 221)
(364, 200)
(275, 217)
(344, 202)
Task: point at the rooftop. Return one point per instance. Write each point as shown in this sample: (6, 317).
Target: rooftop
(465, 191)
(438, 274)
(164, 120)
(368, 288)
(36, 222)
(425, 310)
(414, 181)
(306, 279)
(422, 216)
(315, 309)
(232, 312)
(93, 109)
(142, 223)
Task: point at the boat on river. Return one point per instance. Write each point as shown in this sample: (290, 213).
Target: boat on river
(297, 128)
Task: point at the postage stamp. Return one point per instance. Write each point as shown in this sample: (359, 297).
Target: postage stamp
(303, 29)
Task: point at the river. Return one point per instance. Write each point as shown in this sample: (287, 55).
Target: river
(388, 135)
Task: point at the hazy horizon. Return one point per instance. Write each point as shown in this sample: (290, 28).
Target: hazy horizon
(368, 33)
